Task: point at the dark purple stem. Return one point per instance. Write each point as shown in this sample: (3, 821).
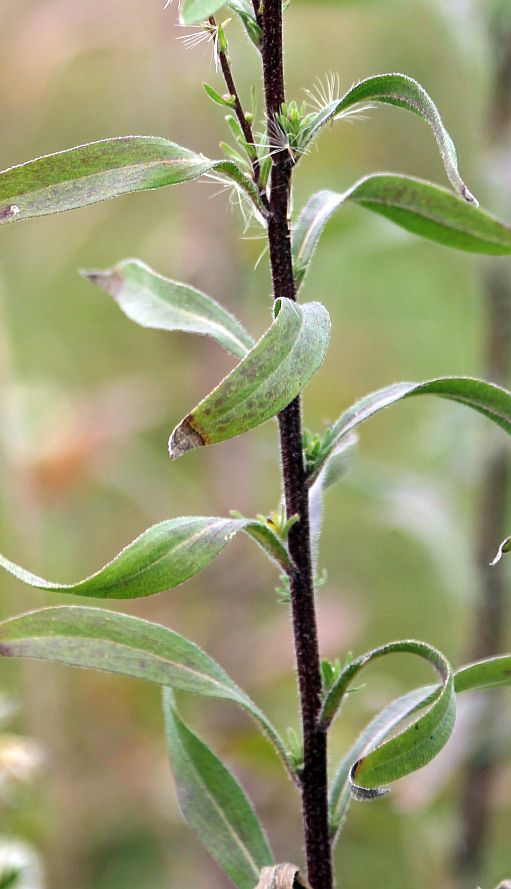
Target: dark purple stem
(314, 775)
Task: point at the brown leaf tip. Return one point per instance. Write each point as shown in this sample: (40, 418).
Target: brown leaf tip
(469, 197)
(282, 876)
(184, 438)
(110, 280)
(5, 650)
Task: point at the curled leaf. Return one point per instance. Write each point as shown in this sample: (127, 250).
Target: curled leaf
(272, 374)
(403, 92)
(504, 547)
(418, 743)
(494, 672)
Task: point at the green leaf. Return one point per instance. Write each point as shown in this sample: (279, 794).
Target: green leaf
(95, 172)
(151, 300)
(403, 92)
(493, 672)
(245, 10)
(193, 11)
(117, 643)
(161, 558)
(215, 96)
(374, 733)
(101, 170)
(419, 207)
(273, 373)
(414, 747)
(214, 804)
(486, 398)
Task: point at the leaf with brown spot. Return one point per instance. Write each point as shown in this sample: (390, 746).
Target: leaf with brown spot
(273, 373)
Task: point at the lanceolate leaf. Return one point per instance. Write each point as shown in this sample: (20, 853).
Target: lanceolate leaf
(274, 372)
(420, 207)
(117, 643)
(491, 673)
(418, 743)
(151, 300)
(245, 10)
(161, 558)
(214, 804)
(486, 398)
(101, 170)
(404, 92)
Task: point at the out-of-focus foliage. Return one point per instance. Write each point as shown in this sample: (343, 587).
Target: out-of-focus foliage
(88, 400)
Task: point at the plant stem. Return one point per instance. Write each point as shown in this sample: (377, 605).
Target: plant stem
(490, 616)
(238, 108)
(314, 776)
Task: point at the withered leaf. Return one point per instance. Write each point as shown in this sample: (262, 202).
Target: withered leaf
(282, 876)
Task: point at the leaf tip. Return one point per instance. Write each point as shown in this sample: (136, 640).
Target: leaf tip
(504, 547)
(184, 438)
(363, 794)
(109, 280)
(469, 197)
(5, 650)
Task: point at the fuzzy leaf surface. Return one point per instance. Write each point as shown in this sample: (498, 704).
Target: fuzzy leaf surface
(151, 300)
(490, 673)
(414, 747)
(101, 170)
(273, 373)
(213, 803)
(403, 92)
(488, 399)
(162, 557)
(97, 639)
(420, 207)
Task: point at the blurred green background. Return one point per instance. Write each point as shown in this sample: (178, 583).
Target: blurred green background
(88, 400)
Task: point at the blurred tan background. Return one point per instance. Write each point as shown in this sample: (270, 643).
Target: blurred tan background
(88, 400)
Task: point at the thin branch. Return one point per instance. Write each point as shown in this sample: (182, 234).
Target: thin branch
(238, 109)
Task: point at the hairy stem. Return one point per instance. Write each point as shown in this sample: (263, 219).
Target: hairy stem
(490, 616)
(314, 776)
(490, 613)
